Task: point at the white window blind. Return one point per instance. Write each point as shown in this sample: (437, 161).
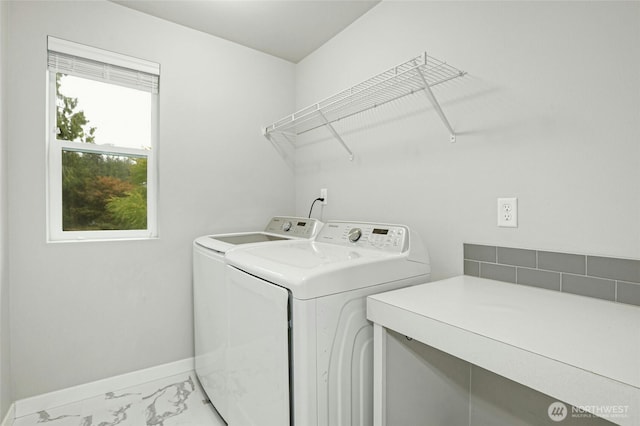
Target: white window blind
(96, 64)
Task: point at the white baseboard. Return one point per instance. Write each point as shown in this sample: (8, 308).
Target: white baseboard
(61, 397)
(10, 416)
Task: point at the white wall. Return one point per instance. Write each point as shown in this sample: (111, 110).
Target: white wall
(85, 311)
(549, 113)
(5, 379)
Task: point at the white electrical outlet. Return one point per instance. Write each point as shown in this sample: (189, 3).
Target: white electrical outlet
(508, 212)
(323, 194)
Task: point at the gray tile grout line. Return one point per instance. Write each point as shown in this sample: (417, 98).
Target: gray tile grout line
(529, 267)
(586, 256)
(586, 265)
(562, 275)
(605, 256)
(551, 270)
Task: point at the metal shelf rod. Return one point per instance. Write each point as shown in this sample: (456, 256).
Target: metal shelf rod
(342, 117)
(436, 105)
(337, 136)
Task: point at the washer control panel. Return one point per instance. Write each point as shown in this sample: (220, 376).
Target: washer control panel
(392, 238)
(293, 226)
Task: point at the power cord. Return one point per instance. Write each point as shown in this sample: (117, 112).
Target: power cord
(314, 201)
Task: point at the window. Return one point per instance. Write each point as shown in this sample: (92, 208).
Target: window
(102, 121)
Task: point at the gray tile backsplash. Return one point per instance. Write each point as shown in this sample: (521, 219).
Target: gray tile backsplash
(517, 257)
(538, 278)
(606, 278)
(472, 268)
(498, 272)
(481, 253)
(589, 286)
(615, 269)
(628, 293)
(562, 262)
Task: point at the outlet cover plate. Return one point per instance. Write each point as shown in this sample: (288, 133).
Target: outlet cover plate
(508, 212)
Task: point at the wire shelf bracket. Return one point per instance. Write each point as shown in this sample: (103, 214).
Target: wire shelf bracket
(336, 135)
(419, 74)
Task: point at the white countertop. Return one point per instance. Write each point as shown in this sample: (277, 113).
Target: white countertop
(581, 350)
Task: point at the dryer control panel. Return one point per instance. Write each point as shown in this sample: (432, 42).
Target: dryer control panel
(391, 238)
(293, 226)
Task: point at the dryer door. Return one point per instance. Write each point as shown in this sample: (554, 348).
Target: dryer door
(210, 325)
(258, 353)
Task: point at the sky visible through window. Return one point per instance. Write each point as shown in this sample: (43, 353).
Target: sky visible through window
(121, 116)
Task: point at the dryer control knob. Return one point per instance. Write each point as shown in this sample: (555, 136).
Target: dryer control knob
(286, 226)
(355, 234)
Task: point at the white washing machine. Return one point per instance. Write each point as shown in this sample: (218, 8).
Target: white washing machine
(211, 313)
(301, 349)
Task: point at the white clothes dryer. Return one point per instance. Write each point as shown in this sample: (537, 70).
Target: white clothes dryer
(301, 349)
(211, 311)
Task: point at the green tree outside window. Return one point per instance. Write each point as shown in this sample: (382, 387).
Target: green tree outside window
(99, 191)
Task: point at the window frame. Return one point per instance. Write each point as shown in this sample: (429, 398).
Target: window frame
(55, 148)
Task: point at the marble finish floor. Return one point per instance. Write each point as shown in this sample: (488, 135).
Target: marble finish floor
(173, 401)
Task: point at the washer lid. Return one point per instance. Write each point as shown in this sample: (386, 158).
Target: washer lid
(312, 269)
(279, 228)
(222, 243)
(238, 239)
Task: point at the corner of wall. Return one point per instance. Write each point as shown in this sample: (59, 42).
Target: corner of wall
(5, 379)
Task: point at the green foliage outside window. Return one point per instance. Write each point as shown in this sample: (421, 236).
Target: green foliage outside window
(99, 191)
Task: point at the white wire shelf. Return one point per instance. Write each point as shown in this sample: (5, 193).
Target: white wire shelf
(417, 74)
